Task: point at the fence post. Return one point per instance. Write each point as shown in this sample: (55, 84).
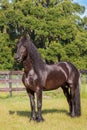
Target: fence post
(10, 83)
(86, 78)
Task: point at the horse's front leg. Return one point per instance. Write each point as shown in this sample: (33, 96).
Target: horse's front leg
(39, 105)
(32, 104)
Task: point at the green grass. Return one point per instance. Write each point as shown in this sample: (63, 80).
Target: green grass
(15, 112)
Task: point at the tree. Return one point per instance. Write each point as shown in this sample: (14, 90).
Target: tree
(55, 26)
(6, 59)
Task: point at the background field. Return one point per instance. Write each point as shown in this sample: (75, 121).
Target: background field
(15, 112)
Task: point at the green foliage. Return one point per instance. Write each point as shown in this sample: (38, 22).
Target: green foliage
(6, 59)
(54, 25)
(54, 52)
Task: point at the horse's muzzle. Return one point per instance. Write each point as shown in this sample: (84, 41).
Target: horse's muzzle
(17, 58)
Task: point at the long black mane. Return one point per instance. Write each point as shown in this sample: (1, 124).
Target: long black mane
(37, 62)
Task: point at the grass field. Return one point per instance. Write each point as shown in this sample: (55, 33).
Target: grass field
(15, 112)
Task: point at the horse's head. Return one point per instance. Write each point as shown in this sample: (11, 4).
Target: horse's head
(21, 51)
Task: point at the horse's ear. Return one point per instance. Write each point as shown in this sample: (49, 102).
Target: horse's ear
(21, 30)
(18, 36)
(26, 35)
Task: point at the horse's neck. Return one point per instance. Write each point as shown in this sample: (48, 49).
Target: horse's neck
(37, 62)
(27, 65)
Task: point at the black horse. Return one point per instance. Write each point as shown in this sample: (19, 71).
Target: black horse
(38, 77)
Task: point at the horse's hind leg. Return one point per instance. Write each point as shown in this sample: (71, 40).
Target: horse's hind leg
(68, 96)
(75, 99)
(72, 92)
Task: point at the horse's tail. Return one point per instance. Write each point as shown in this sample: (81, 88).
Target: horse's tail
(77, 100)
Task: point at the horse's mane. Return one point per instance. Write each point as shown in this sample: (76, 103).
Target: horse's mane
(37, 62)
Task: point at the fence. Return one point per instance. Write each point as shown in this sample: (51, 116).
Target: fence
(12, 80)
(83, 76)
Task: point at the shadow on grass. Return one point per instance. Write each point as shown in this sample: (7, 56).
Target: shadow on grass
(5, 97)
(46, 111)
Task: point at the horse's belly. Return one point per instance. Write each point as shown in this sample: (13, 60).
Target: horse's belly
(53, 84)
(55, 79)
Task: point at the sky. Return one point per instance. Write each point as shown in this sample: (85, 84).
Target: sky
(84, 3)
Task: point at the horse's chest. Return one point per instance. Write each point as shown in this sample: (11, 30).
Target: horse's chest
(30, 81)
(27, 83)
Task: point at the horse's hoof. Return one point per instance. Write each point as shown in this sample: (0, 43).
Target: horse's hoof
(40, 120)
(78, 114)
(72, 115)
(33, 118)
